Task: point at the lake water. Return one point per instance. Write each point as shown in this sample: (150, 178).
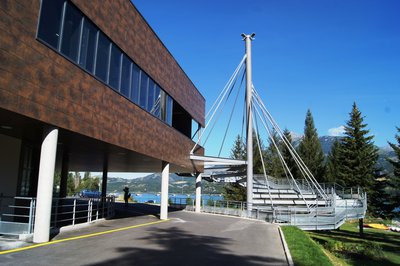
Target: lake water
(175, 198)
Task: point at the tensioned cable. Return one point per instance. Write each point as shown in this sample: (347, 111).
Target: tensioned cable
(279, 154)
(293, 151)
(231, 115)
(302, 167)
(227, 84)
(221, 109)
(219, 100)
(262, 157)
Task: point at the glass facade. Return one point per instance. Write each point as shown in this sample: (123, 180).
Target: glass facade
(67, 30)
(88, 46)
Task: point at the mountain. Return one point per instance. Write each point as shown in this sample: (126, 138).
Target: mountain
(383, 152)
(152, 184)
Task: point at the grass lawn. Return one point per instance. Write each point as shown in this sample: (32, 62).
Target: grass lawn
(377, 247)
(304, 251)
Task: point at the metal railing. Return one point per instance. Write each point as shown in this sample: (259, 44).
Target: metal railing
(17, 214)
(316, 218)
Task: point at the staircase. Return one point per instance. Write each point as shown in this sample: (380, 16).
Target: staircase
(297, 204)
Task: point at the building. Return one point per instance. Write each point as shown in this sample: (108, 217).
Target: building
(88, 86)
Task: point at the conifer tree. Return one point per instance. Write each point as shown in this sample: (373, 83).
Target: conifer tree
(287, 156)
(257, 164)
(238, 151)
(332, 163)
(310, 149)
(358, 155)
(394, 180)
(235, 191)
(273, 163)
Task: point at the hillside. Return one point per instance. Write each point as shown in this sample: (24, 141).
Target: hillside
(152, 184)
(383, 152)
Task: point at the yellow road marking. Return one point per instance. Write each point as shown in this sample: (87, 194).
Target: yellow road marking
(80, 237)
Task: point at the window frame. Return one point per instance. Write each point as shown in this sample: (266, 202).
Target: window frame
(164, 96)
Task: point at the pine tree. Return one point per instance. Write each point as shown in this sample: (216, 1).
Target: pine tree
(257, 164)
(273, 162)
(238, 151)
(358, 155)
(235, 191)
(332, 163)
(310, 149)
(394, 180)
(287, 156)
(379, 205)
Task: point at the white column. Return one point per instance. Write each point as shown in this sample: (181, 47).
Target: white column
(164, 191)
(45, 186)
(198, 192)
(249, 145)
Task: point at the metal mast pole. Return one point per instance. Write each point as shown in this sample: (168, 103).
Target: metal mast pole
(249, 136)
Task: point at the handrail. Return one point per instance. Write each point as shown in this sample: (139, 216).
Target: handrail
(17, 214)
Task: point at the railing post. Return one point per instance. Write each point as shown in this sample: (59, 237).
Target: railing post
(31, 204)
(73, 212)
(88, 211)
(97, 210)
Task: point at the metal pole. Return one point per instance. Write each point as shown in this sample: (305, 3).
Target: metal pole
(249, 136)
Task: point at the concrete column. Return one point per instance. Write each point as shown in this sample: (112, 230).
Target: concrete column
(45, 186)
(64, 174)
(198, 192)
(164, 191)
(104, 178)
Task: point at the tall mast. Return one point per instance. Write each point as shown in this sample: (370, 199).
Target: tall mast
(249, 135)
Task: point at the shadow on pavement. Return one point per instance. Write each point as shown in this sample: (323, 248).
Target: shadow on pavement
(174, 246)
(138, 209)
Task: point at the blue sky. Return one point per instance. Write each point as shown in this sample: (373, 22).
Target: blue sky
(322, 55)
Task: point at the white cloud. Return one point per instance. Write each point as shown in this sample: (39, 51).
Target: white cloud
(336, 131)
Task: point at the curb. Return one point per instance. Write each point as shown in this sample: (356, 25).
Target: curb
(285, 248)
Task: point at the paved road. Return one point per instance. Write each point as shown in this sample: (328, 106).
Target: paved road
(186, 239)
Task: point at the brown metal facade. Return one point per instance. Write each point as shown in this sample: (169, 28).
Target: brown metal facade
(40, 84)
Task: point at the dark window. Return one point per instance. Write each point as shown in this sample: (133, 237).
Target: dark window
(135, 83)
(88, 46)
(102, 56)
(115, 67)
(150, 96)
(144, 81)
(71, 32)
(125, 75)
(50, 22)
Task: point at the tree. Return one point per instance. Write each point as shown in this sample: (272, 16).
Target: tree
(89, 183)
(287, 156)
(273, 163)
(357, 154)
(380, 204)
(257, 164)
(332, 163)
(310, 149)
(71, 184)
(235, 191)
(239, 150)
(394, 180)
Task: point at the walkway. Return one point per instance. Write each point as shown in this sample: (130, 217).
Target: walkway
(185, 239)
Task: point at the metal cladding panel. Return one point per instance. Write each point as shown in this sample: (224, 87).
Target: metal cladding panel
(122, 22)
(37, 82)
